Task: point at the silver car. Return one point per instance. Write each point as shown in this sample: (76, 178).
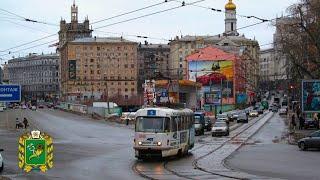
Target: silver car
(220, 128)
(312, 141)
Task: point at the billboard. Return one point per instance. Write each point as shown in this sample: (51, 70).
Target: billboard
(311, 95)
(10, 93)
(216, 78)
(72, 69)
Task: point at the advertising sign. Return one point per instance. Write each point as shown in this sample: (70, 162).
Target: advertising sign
(311, 96)
(10, 93)
(214, 75)
(72, 69)
(149, 92)
(212, 98)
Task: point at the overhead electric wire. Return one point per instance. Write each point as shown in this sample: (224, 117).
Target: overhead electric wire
(1, 55)
(219, 10)
(130, 12)
(35, 29)
(137, 36)
(28, 43)
(146, 15)
(183, 4)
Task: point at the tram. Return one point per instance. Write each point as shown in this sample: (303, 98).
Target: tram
(162, 132)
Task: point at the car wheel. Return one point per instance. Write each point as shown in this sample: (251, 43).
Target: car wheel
(1, 168)
(303, 146)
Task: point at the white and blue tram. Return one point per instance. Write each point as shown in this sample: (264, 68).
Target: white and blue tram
(163, 132)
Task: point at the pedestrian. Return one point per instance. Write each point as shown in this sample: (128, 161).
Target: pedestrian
(17, 123)
(220, 112)
(301, 122)
(25, 122)
(293, 122)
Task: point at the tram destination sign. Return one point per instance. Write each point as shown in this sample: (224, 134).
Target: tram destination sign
(10, 93)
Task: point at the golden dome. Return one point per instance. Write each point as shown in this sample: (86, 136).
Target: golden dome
(230, 6)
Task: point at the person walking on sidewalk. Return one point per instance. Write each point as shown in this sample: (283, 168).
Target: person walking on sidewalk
(301, 122)
(25, 122)
(293, 122)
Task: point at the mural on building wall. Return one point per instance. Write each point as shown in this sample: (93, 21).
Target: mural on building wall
(311, 96)
(215, 76)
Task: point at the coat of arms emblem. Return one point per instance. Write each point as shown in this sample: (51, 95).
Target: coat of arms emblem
(35, 151)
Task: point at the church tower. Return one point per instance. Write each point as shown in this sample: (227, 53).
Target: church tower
(230, 19)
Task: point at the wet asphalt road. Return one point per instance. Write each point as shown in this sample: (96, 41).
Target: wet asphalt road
(84, 148)
(271, 156)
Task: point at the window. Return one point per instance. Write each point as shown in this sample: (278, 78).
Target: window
(173, 124)
(126, 90)
(132, 65)
(132, 89)
(92, 60)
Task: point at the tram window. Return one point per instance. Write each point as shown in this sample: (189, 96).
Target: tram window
(185, 123)
(173, 124)
(179, 123)
(167, 125)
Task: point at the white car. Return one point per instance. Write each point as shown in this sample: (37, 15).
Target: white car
(1, 161)
(33, 108)
(1, 109)
(253, 113)
(23, 107)
(220, 128)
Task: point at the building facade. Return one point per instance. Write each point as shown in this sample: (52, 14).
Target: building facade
(5, 73)
(181, 47)
(153, 62)
(99, 69)
(1, 75)
(37, 74)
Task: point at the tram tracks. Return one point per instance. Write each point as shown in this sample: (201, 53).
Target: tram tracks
(175, 174)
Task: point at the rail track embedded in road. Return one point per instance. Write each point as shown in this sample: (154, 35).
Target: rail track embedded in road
(195, 164)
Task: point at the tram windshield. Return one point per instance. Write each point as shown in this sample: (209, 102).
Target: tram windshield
(153, 124)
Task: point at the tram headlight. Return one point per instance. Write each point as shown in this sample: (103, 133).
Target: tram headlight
(140, 143)
(159, 143)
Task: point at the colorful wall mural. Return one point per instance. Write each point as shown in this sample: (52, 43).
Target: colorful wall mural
(215, 77)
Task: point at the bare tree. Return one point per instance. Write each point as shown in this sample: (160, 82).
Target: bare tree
(299, 39)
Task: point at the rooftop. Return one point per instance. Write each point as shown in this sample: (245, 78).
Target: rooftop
(102, 40)
(211, 53)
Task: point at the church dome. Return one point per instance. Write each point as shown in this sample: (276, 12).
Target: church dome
(230, 6)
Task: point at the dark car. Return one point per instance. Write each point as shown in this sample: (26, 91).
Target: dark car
(242, 118)
(312, 141)
(274, 109)
(199, 123)
(310, 123)
(40, 106)
(208, 123)
(260, 110)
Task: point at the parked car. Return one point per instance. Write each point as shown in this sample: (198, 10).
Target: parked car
(1, 161)
(1, 109)
(220, 128)
(243, 118)
(33, 108)
(208, 123)
(310, 123)
(312, 141)
(41, 106)
(23, 107)
(253, 113)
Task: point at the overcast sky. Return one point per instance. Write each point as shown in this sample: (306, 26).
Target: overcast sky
(189, 20)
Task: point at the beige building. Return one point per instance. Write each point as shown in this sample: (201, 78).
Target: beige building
(98, 69)
(181, 47)
(5, 73)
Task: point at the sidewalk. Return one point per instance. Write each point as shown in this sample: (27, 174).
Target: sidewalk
(295, 135)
